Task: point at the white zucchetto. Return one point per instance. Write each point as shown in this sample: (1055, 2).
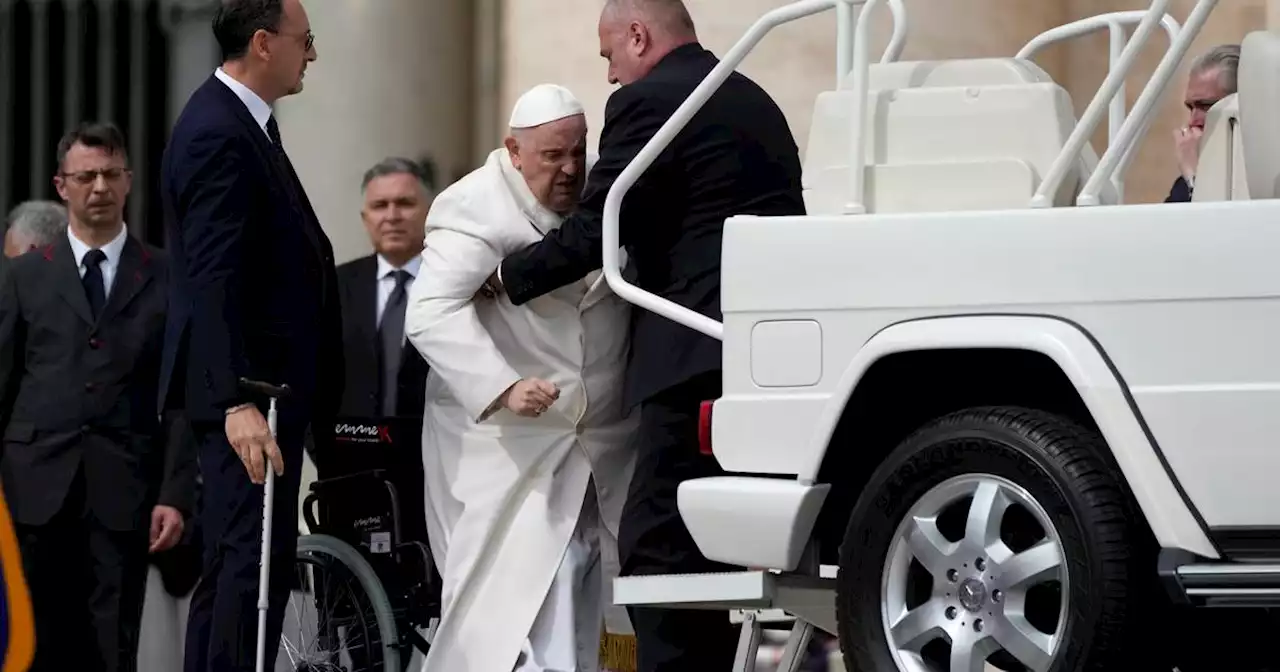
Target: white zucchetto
(544, 104)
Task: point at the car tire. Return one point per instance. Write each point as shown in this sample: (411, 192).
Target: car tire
(958, 581)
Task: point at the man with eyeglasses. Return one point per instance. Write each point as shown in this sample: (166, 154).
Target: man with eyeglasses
(91, 481)
(255, 297)
(1212, 78)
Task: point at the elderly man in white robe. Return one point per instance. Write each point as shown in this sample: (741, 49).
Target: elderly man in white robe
(524, 434)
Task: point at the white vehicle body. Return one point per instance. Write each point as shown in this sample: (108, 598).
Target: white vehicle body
(980, 257)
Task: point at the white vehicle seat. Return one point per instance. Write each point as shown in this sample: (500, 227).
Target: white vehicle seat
(970, 134)
(1259, 93)
(1220, 176)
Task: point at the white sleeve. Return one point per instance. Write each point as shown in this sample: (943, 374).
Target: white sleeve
(442, 323)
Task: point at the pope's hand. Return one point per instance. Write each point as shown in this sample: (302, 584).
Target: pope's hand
(530, 397)
(491, 288)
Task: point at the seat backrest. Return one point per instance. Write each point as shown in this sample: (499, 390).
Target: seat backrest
(1220, 175)
(943, 136)
(1259, 93)
(962, 72)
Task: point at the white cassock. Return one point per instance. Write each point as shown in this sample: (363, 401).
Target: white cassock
(512, 515)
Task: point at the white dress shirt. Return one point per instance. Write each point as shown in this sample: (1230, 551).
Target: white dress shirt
(258, 108)
(387, 282)
(113, 250)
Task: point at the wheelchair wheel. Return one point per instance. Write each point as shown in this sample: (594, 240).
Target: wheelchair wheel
(339, 617)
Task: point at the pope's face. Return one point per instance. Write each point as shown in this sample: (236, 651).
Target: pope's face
(553, 160)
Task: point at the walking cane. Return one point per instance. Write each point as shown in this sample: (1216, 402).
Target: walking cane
(273, 394)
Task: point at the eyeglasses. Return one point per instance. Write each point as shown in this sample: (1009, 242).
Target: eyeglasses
(308, 38)
(87, 177)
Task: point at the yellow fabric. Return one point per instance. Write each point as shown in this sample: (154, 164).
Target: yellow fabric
(617, 652)
(21, 640)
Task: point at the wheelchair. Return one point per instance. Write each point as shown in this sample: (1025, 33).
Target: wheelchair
(365, 591)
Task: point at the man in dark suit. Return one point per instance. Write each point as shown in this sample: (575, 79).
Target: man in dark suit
(1212, 78)
(254, 297)
(385, 376)
(85, 467)
(737, 156)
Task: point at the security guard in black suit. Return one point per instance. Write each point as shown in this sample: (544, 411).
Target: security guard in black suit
(736, 156)
(91, 481)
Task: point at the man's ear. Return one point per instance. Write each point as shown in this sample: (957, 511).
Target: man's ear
(513, 150)
(258, 43)
(638, 37)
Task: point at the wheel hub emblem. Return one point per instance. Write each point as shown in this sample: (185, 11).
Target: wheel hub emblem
(973, 595)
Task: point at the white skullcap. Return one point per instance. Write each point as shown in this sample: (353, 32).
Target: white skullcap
(544, 104)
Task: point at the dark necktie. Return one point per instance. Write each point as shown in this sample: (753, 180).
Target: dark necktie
(273, 132)
(391, 334)
(94, 286)
(282, 159)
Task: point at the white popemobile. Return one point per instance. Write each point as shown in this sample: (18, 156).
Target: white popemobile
(984, 413)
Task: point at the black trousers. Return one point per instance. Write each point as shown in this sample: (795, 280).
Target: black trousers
(87, 587)
(222, 629)
(653, 539)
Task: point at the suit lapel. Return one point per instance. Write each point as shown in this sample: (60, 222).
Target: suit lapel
(285, 175)
(132, 275)
(366, 288)
(67, 274)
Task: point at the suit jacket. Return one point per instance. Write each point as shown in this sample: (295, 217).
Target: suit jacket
(77, 392)
(736, 156)
(362, 396)
(254, 292)
(1180, 192)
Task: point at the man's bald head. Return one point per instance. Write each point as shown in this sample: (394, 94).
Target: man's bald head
(669, 16)
(636, 34)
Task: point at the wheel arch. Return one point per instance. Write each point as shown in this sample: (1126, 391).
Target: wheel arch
(1039, 361)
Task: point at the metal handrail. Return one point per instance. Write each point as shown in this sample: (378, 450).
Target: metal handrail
(845, 26)
(1131, 130)
(1139, 121)
(1070, 154)
(1116, 23)
(659, 142)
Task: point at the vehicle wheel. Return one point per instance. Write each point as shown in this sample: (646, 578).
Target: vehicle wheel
(996, 537)
(338, 617)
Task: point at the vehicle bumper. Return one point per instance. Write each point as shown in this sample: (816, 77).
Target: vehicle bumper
(751, 522)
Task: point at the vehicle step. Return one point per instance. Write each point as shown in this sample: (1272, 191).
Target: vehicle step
(809, 597)
(1222, 584)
